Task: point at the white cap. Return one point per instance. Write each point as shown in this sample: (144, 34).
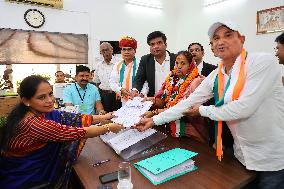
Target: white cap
(231, 25)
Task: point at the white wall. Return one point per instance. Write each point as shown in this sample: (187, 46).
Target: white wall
(112, 19)
(183, 21)
(194, 21)
(100, 19)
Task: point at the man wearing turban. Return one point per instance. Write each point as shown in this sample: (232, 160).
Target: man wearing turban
(124, 72)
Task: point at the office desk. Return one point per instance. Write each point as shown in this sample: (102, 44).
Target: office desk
(211, 174)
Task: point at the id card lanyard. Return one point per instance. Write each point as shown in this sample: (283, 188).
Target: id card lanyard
(82, 98)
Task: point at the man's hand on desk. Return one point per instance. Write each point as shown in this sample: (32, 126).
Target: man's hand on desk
(192, 112)
(144, 124)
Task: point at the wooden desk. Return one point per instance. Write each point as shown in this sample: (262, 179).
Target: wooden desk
(228, 174)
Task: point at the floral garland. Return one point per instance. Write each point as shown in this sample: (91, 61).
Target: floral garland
(174, 92)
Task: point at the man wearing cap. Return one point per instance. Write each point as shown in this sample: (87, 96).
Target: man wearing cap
(204, 69)
(124, 72)
(154, 67)
(249, 96)
(280, 53)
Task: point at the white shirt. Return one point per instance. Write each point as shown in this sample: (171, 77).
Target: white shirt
(200, 67)
(161, 72)
(256, 119)
(114, 78)
(103, 72)
(282, 69)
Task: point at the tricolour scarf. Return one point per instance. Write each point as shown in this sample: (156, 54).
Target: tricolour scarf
(219, 95)
(120, 70)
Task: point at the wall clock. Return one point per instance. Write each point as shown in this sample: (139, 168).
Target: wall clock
(34, 18)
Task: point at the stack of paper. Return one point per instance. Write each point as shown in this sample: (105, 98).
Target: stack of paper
(131, 112)
(167, 165)
(125, 138)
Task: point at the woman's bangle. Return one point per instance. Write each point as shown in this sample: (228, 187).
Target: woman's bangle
(107, 126)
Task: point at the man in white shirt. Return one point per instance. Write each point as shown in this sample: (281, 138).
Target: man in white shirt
(124, 72)
(253, 105)
(280, 53)
(156, 66)
(102, 77)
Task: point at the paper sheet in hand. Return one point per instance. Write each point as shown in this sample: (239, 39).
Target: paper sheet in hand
(131, 112)
(128, 138)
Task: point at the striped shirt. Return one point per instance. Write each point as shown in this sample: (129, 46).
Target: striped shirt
(35, 131)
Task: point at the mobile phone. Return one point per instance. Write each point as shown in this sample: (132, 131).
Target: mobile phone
(109, 177)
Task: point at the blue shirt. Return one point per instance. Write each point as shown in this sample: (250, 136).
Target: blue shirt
(86, 100)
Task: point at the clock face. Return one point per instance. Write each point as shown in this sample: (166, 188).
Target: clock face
(34, 18)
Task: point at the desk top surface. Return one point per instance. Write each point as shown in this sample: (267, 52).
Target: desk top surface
(227, 174)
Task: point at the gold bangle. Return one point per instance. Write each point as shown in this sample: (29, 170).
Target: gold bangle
(107, 126)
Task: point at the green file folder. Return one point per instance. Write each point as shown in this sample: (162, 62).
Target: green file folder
(167, 165)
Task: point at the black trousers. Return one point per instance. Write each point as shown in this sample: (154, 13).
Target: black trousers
(109, 101)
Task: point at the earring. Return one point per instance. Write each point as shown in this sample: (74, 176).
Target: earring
(28, 105)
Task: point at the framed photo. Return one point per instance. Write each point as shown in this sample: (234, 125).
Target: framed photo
(270, 20)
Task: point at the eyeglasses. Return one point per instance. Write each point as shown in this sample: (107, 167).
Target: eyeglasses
(126, 49)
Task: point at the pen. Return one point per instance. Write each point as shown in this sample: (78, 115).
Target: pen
(100, 162)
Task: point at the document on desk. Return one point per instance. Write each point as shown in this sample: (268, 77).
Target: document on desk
(176, 171)
(127, 138)
(131, 112)
(168, 165)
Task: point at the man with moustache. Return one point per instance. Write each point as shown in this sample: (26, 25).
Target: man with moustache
(124, 72)
(249, 96)
(197, 51)
(154, 67)
(280, 52)
(83, 94)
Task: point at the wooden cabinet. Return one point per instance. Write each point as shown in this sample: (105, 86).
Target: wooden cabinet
(7, 104)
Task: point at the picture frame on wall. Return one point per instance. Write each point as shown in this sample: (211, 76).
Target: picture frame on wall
(270, 20)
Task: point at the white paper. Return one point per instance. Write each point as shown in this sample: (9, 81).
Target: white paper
(185, 166)
(126, 138)
(106, 137)
(131, 112)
